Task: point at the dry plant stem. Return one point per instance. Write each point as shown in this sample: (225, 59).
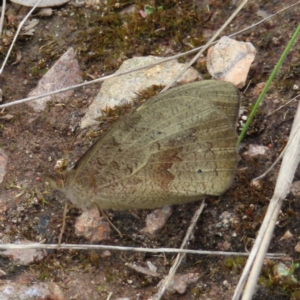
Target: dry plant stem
(63, 224)
(180, 256)
(17, 33)
(135, 249)
(289, 165)
(136, 69)
(2, 273)
(109, 296)
(282, 106)
(2, 16)
(277, 159)
(206, 46)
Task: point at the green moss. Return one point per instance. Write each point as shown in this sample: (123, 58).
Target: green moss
(285, 283)
(34, 70)
(295, 295)
(108, 37)
(236, 262)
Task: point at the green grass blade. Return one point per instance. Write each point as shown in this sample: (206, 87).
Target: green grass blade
(273, 74)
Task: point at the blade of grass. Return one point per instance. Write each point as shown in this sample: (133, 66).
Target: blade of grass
(273, 74)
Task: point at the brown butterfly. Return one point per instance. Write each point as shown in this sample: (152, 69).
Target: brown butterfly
(176, 148)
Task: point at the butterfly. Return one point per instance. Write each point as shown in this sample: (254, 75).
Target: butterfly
(176, 148)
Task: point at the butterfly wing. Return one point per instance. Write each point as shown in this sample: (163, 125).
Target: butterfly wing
(175, 148)
(222, 94)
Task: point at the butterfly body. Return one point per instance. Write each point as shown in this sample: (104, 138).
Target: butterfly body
(176, 148)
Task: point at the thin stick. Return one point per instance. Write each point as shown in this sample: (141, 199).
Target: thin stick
(282, 106)
(109, 296)
(180, 256)
(135, 249)
(278, 158)
(16, 35)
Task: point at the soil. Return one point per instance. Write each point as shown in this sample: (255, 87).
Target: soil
(103, 37)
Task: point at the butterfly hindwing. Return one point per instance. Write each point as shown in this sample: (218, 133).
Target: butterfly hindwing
(175, 148)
